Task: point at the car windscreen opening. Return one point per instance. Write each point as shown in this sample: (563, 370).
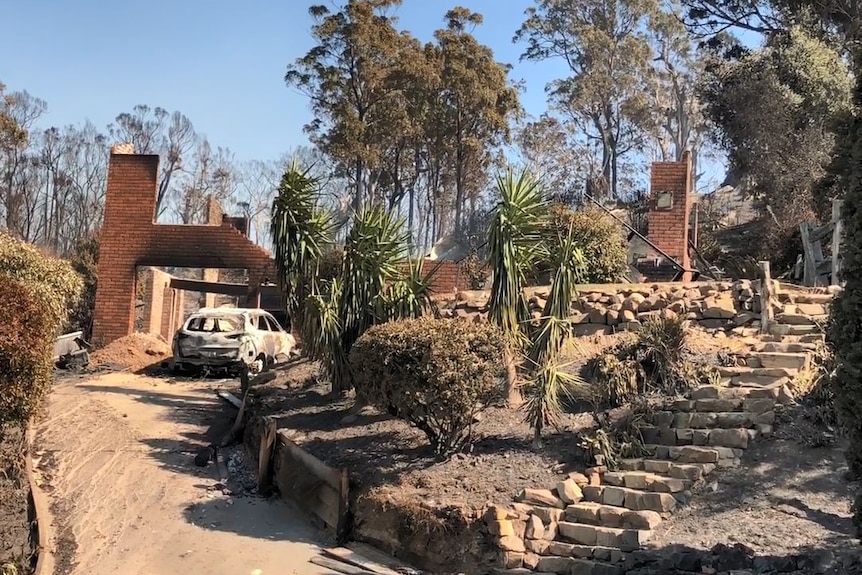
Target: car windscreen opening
(213, 324)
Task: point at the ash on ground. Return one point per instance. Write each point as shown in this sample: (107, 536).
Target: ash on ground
(236, 476)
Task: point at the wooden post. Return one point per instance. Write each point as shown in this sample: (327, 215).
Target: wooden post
(809, 277)
(836, 241)
(264, 459)
(766, 316)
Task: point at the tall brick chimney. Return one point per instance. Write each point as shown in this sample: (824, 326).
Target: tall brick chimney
(670, 209)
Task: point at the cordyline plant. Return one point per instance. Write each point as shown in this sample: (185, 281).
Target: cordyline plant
(519, 239)
(517, 224)
(376, 284)
(302, 231)
(548, 384)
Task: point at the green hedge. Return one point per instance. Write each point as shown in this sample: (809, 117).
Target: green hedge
(435, 374)
(36, 293)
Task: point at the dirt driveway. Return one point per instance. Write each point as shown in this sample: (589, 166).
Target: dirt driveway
(115, 455)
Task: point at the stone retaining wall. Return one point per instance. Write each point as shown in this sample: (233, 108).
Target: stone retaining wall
(604, 309)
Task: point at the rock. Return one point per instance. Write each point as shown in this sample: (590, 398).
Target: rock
(641, 519)
(512, 543)
(598, 315)
(548, 514)
(579, 478)
(627, 316)
(583, 534)
(540, 497)
(499, 513)
(736, 438)
(535, 528)
(633, 302)
(612, 317)
(555, 564)
(719, 308)
(513, 560)
(531, 560)
(569, 491)
(503, 528)
(537, 546)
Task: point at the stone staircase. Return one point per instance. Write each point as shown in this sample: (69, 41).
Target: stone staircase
(593, 522)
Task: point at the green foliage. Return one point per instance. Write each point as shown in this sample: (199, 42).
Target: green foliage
(436, 374)
(776, 111)
(845, 325)
(36, 293)
(53, 280)
(549, 385)
(375, 284)
(605, 51)
(85, 261)
(26, 339)
(515, 240)
(599, 237)
(655, 363)
(301, 234)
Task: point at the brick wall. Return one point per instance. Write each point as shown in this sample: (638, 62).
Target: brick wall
(448, 278)
(130, 238)
(668, 228)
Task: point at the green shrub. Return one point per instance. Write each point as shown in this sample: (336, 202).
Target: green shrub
(36, 293)
(85, 261)
(657, 362)
(56, 284)
(599, 237)
(27, 331)
(436, 374)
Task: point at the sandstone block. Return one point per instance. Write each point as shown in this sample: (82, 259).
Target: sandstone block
(503, 528)
(537, 546)
(512, 543)
(583, 534)
(569, 491)
(540, 497)
(641, 519)
(614, 496)
(737, 438)
(548, 514)
(579, 478)
(717, 405)
(535, 528)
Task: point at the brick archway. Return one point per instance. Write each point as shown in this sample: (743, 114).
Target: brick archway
(131, 238)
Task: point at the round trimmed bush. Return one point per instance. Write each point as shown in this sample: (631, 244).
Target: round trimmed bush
(436, 374)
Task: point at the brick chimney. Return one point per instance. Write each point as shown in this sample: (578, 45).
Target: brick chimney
(124, 148)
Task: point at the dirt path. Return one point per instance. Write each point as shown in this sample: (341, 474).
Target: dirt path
(115, 455)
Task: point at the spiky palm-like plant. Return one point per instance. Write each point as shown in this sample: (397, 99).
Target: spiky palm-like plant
(515, 235)
(301, 233)
(549, 385)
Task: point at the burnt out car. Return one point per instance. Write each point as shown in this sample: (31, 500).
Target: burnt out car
(217, 339)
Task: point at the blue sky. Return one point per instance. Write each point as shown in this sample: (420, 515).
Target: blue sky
(220, 62)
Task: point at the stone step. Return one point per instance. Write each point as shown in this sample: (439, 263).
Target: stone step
(815, 338)
(720, 456)
(645, 481)
(712, 419)
(566, 566)
(765, 372)
(721, 392)
(543, 548)
(693, 472)
(786, 347)
(779, 360)
(782, 329)
(633, 499)
(622, 539)
(723, 437)
(593, 513)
